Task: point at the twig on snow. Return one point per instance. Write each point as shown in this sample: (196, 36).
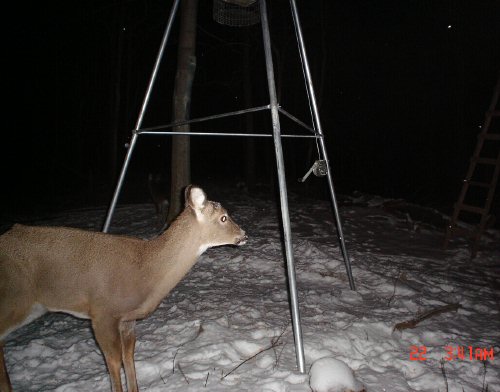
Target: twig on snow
(279, 355)
(277, 338)
(182, 372)
(164, 382)
(206, 380)
(484, 388)
(396, 280)
(173, 360)
(424, 316)
(250, 358)
(276, 355)
(198, 333)
(444, 375)
(274, 343)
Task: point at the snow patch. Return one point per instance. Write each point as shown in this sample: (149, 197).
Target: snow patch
(235, 302)
(332, 375)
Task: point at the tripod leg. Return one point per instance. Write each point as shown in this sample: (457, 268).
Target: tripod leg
(119, 185)
(312, 98)
(297, 330)
(144, 106)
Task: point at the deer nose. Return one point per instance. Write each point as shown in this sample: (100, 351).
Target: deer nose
(242, 240)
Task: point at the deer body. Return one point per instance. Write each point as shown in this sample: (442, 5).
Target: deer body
(112, 280)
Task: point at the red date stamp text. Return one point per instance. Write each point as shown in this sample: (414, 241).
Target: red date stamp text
(419, 353)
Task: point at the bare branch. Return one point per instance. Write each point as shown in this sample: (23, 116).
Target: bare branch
(182, 372)
(444, 374)
(200, 330)
(425, 315)
(274, 343)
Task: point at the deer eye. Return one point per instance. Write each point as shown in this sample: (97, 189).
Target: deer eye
(223, 218)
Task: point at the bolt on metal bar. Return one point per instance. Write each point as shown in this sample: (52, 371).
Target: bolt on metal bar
(297, 329)
(140, 118)
(312, 97)
(201, 119)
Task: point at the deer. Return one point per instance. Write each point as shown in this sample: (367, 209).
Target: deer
(113, 280)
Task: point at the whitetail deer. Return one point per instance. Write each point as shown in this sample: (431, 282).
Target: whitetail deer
(112, 280)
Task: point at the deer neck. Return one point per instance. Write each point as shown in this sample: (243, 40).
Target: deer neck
(165, 261)
(177, 249)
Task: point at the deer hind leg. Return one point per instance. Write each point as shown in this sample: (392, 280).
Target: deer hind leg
(107, 334)
(127, 334)
(4, 376)
(15, 311)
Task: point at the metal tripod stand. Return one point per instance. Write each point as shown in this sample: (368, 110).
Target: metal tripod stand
(316, 132)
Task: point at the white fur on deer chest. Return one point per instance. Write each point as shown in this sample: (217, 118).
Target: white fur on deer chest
(203, 248)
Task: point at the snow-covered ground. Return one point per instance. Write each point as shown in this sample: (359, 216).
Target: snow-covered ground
(234, 304)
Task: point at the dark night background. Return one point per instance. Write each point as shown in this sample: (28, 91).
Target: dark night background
(402, 85)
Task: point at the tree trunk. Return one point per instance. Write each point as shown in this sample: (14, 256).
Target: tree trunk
(186, 65)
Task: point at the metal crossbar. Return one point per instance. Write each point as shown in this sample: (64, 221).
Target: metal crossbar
(151, 130)
(189, 133)
(207, 118)
(275, 111)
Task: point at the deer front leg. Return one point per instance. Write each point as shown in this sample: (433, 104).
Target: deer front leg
(127, 334)
(4, 376)
(107, 334)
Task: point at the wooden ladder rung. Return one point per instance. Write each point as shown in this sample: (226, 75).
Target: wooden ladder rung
(469, 208)
(484, 161)
(479, 184)
(457, 231)
(475, 234)
(491, 136)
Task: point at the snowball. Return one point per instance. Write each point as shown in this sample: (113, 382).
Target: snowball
(332, 375)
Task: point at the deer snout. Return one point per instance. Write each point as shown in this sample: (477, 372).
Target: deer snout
(242, 240)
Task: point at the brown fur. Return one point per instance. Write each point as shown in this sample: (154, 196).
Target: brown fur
(111, 279)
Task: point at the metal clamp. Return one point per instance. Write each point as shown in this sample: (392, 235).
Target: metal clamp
(318, 168)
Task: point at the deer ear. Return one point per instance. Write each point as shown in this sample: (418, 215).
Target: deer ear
(195, 197)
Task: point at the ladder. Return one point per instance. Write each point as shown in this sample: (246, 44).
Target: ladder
(478, 188)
